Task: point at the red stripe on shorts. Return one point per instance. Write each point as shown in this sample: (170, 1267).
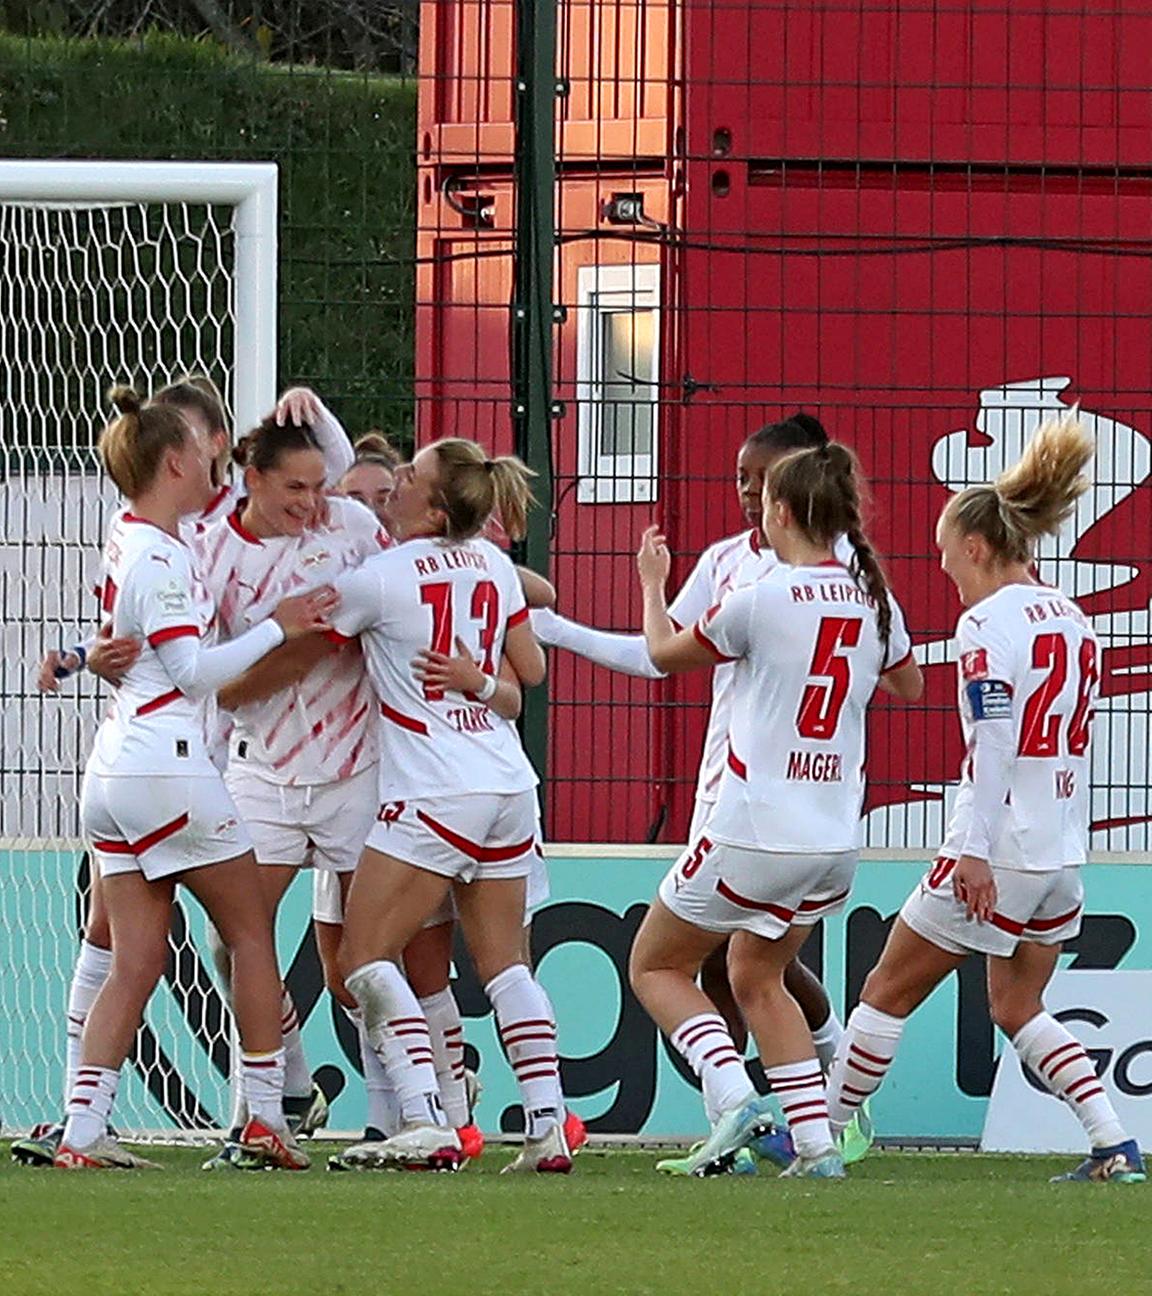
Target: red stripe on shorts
(481, 854)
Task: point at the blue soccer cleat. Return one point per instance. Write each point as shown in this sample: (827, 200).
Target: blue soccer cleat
(1121, 1163)
(775, 1146)
(827, 1166)
(734, 1130)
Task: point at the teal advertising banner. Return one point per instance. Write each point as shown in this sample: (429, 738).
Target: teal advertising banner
(618, 1073)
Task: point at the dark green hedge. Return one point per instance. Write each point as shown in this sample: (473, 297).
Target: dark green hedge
(346, 148)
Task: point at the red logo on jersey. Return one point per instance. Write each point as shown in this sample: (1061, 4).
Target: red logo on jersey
(974, 664)
(391, 812)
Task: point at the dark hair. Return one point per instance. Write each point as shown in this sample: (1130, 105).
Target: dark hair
(1033, 497)
(375, 448)
(823, 488)
(195, 392)
(799, 431)
(133, 444)
(472, 487)
(264, 446)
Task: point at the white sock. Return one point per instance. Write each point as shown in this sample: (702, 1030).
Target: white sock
(263, 1079)
(400, 1038)
(297, 1077)
(91, 971)
(383, 1104)
(446, 1032)
(800, 1088)
(528, 1033)
(866, 1051)
(90, 1105)
(1058, 1060)
(706, 1045)
(826, 1040)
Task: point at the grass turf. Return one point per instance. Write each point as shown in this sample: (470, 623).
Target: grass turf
(904, 1223)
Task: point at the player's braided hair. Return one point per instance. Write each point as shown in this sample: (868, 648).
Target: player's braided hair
(1033, 497)
(264, 446)
(472, 487)
(823, 488)
(133, 444)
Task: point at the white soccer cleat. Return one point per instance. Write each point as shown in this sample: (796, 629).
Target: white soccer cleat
(827, 1165)
(416, 1147)
(547, 1155)
(105, 1154)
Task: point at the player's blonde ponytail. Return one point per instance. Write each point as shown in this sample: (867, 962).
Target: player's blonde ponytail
(134, 443)
(1033, 497)
(473, 487)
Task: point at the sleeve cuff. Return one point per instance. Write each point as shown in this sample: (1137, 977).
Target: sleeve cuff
(702, 638)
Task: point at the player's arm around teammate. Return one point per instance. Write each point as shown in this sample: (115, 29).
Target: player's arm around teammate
(153, 804)
(1006, 883)
(811, 640)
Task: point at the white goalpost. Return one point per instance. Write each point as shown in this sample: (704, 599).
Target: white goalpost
(110, 272)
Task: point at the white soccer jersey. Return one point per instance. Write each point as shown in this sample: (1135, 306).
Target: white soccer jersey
(807, 656)
(725, 566)
(421, 594)
(150, 591)
(1028, 655)
(321, 729)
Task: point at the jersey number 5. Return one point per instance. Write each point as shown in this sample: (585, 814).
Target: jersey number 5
(1040, 731)
(485, 608)
(829, 678)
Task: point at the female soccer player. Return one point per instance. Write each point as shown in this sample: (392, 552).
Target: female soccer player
(154, 806)
(1007, 882)
(811, 640)
(457, 793)
(373, 474)
(726, 565)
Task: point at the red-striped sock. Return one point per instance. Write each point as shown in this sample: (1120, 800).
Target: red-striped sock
(297, 1077)
(528, 1033)
(800, 1088)
(866, 1050)
(446, 1032)
(705, 1043)
(89, 1105)
(1057, 1058)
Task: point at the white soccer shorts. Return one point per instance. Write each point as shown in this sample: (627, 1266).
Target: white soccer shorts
(722, 888)
(160, 825)
(324, 825)
(1042, 907)
(480, 836)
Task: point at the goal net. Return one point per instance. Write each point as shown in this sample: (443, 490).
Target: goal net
(109, 273)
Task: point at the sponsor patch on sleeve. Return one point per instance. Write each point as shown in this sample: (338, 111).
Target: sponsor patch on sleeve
(974, 664)
(989, 699)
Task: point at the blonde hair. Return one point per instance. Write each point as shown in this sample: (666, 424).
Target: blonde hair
(133, 444)
(1031, 499)
(471, 488)
(375, 448)
(823, 488)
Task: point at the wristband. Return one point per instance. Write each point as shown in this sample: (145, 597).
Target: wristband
(62, 672)
(486, 690)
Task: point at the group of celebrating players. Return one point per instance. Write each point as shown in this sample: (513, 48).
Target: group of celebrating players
(322, 664)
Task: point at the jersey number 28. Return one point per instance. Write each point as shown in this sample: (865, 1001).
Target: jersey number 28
(1040, 730)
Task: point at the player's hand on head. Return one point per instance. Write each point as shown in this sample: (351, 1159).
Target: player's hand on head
(298, 405)
(111, 659)
(301, 614)
(460, 673)
(975, 887)
(653, 561)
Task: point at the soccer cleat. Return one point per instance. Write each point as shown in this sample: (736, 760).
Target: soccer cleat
(471, 1142)
(306, 1115)
(547, 1155)
(1121, 1163)
(105, 1154)
(858, 1136)
(826, 1166)
(416, 1147)
(775, 1146)
(743, 1163)
(734, 1129)
(575, 1132)
(262, 1148)
(230, 1157)
(40, 1147)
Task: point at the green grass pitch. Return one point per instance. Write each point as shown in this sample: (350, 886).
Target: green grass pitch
(906, 1224)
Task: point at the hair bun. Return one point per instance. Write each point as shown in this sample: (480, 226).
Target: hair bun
(126, 399)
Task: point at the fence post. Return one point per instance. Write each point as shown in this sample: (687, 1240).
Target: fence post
(533, 307)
